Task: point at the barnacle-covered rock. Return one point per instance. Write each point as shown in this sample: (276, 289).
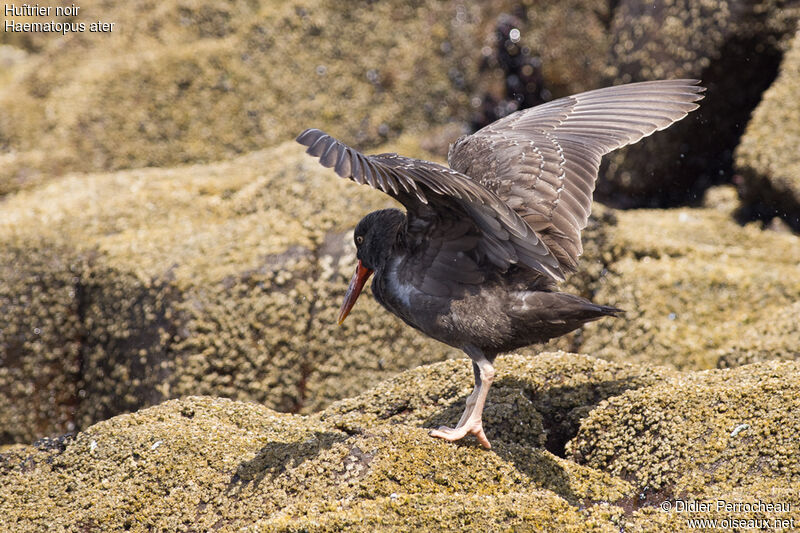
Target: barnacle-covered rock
(767, 157)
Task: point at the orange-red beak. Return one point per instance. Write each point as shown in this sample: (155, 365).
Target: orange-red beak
(356, 285)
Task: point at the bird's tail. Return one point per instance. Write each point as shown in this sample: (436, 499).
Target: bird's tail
(609, 310)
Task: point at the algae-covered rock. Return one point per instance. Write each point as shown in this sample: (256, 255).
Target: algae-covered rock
(195, 81)
(40, 338)
(768, 157)
(544, 395)
(775, 335)
(125, 289)
(701, 433)
(181, 81)
(367, 463)
(734, 47)
(202, 463)
(145, 285)
(696, 289)
(723, 198)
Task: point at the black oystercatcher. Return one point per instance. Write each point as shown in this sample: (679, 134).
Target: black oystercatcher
(474, 260)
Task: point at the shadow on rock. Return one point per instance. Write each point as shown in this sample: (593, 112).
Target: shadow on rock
(522, 421)
(521, 414)
(541, 467)
(276, 457)
(514, 428)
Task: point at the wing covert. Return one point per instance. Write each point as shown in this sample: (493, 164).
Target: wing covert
(543, 161)
(432, 193)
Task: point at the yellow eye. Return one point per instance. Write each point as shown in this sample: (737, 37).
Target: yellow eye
(359, 239)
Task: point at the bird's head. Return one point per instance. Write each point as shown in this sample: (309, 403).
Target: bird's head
(374, 236)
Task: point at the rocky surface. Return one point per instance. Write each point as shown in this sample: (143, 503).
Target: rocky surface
(182, 81)
(140, 286)
(699, 290)
(767, 156)
(734, 47)
(126, 289)
(145, 285)
(702, 431)
(646, 435)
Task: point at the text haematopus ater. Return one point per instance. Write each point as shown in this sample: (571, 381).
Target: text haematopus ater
(474, 260)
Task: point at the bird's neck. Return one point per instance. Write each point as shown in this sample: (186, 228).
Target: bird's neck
(390, 239)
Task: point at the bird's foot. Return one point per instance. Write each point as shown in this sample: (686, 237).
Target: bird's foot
(452, 435)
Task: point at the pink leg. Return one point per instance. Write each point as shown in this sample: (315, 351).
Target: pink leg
(471, 422)
(471, 400)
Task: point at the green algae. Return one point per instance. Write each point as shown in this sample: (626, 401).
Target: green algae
(767, 155)
(692, 283)
(646, 435)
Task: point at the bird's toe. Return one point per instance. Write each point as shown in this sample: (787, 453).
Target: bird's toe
(447, 433)
(452, 435)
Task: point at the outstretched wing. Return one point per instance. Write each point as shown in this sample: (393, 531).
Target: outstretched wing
(435, 198)
(543, 161)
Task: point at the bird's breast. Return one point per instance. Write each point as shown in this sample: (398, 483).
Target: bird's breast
(416, 308)
(467, 316)
(397, 295)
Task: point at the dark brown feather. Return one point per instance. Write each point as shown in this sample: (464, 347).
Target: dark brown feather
(543, 161)
(431, 193)
(525, 182)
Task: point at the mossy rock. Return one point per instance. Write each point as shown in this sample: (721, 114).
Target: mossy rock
(697, 290)
(775, 335)
(129, 288)
(700, 433)
(767, 157)
(734, 47)
(210, 463)
(152, 284)
(179, 82)
(40, 338)
(546, 396)
(202, 462)
(145, 285)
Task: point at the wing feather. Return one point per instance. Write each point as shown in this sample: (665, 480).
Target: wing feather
(543, 161)
(496, 236)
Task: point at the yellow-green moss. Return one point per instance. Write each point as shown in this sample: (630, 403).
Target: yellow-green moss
(531, 511)
(646, 435)
(767, 156)
(693, 283)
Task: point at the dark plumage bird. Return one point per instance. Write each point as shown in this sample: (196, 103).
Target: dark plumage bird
(474, 260)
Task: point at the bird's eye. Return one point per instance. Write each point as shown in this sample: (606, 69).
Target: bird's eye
(359, 239)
